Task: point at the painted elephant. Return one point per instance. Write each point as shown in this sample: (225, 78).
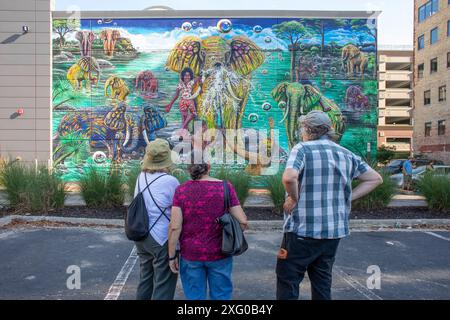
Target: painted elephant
(147, 83)
(353, 60)
(109, 37)
(296, 99)
(86, 69)
(85, 37)
(355, 99)
(116, 130)
(119, 89)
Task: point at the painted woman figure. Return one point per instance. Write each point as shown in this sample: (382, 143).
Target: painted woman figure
(187, 102)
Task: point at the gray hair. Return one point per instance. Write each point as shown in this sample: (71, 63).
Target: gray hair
(317, 124)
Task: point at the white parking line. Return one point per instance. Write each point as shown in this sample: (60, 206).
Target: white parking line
(437, 235)
(369, 294)
(122, 277)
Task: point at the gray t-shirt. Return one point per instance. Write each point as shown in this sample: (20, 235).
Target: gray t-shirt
(163, 191)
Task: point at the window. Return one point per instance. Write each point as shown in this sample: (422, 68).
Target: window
(427, 129)
(427, 97)
(420, 70)
(441, 127)
(422, 16)
(442, 93)
(448, 58)
(448, 28)
(434, 36)
(421, 42)
(434, 6)
(433, 65)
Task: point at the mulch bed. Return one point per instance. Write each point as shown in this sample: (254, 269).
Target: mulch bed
(252, 213)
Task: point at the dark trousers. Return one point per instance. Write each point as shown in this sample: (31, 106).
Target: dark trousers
(316, 256)
(157, 281)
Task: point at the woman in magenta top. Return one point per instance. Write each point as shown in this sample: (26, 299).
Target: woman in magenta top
(196, 206)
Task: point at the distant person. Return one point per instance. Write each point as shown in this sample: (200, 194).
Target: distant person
(318, 182)
(157, 281)
(407, 170)
(196, 206)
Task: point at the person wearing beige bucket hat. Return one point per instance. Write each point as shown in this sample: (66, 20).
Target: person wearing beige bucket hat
(157, 282)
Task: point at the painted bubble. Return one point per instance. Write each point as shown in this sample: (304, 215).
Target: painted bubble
(194, 24)
(99, 157)
(281, 59)
(328, 84)
(282, 105)
(266, 106)
(200, 24)
(267, 39)
(186, 26)
(333, 69)
(302, 47)
(264, 71)
(315, 68)
(253, 117)
(257, 29)
(99, 21)
(287, 74)
(224, 25)
(115, 23)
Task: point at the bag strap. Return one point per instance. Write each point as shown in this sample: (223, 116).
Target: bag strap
(226, 197)
(148, 184)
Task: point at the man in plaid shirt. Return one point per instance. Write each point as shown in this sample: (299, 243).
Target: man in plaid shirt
(318, 181)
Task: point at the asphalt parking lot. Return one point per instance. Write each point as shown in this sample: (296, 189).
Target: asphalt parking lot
(34, 264)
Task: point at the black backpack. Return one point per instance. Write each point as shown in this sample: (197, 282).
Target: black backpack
(136, 220)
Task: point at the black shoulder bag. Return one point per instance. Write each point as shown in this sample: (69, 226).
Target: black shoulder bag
(136, 220)
(233, 240)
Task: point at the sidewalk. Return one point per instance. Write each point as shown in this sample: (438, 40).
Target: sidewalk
(257, 198)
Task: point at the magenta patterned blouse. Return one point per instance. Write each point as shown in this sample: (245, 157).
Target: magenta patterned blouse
(201, 203)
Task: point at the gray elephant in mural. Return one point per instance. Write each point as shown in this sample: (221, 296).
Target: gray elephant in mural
(117, 130)
(296, 99)
(85, 37)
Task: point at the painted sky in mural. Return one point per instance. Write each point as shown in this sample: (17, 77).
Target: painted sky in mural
(119, 83)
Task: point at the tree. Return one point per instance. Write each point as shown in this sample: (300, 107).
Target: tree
(63, 27)
(291, 31)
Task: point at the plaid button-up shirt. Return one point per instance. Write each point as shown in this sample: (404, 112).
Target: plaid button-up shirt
(326, 171)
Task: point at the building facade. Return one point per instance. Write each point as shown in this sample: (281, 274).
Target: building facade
(432, 79)
(96, 89)
(395, 122)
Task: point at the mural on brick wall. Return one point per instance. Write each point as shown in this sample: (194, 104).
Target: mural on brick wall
(120, 83)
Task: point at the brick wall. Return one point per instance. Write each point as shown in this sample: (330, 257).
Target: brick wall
(437, 147)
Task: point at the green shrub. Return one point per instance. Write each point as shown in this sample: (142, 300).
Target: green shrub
(275, 186)
(238, 178)
(436, 190)
(379, 198)
(28, 189)
(102, 190)
(180, 174)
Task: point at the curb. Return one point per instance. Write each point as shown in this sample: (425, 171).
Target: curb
(362, 224)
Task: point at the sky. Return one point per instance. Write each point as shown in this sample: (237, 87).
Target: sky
(395, 25)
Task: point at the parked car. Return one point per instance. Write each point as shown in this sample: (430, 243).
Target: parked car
(395, 166)
(419, 172)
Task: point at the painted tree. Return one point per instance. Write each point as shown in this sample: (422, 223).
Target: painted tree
(63, 27)
(359, 26)
(292, 31)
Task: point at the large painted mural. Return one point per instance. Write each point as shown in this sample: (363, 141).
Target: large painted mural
(120, 83)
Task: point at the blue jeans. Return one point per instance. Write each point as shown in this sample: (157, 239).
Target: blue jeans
(195, 275)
